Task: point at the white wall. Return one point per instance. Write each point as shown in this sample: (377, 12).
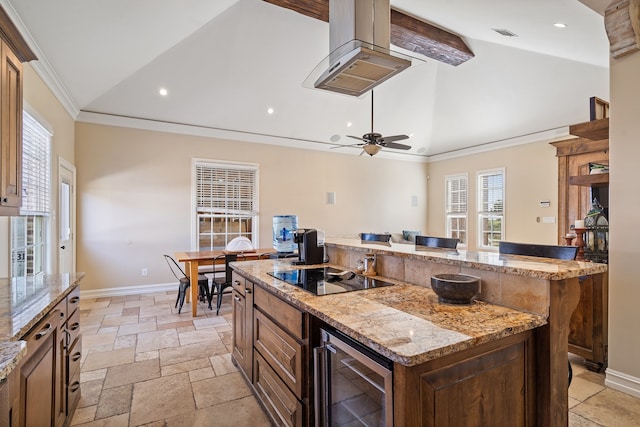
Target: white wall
(624, 207)
(134, 190)
(531, 176)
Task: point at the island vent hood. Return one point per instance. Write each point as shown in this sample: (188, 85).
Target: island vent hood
(360, 58)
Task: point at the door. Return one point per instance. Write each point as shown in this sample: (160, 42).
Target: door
(66, 218)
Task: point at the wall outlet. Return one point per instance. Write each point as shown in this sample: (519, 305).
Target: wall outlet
(145, 272)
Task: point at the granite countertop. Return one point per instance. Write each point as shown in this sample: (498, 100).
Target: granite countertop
(11, 353)
(542, 268)
(23, 303)
(405, 322)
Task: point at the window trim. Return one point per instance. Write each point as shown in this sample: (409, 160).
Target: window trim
(481, 214)
(448, 215)
(194, 188)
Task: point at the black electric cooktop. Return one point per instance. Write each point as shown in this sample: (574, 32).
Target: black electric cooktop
(328, 280)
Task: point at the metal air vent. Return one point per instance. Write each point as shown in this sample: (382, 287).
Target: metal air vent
(504, 32)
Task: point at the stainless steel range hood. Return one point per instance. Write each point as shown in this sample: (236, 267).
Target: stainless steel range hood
(360, 58)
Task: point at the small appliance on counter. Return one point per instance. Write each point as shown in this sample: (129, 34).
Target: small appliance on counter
(309, 251)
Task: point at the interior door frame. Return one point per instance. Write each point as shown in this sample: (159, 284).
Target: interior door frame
(71, 169)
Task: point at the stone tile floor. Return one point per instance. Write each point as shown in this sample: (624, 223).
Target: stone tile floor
(146, 365)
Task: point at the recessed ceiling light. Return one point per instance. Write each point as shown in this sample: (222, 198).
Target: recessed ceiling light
(411, 135)
(349, 124)
(163, 92)
(270, 110)
(560, 25)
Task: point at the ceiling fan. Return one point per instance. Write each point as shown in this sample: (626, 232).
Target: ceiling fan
(373, 142)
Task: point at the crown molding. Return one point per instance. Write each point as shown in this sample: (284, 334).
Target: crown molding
(41, 66)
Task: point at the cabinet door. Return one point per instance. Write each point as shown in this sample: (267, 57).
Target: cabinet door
(10, 129)
(37, 379)
(239, 331)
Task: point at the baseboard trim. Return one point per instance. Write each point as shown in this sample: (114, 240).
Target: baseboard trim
(622, 382)
(127, 290)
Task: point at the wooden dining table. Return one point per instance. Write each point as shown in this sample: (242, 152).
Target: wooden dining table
(193, 260)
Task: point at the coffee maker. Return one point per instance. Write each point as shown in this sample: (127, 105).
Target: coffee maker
(308, 250)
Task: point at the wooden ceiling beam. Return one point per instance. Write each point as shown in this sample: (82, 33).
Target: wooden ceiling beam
(407, 32)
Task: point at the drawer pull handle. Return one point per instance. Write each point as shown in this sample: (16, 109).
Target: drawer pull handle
(247, 290)
(74, 300)
(76, 356)
(61, 315)
(44, 331)
(74, 326)
(75, 386)
(237, 298)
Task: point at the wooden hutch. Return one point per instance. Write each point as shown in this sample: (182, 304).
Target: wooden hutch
(576, 187)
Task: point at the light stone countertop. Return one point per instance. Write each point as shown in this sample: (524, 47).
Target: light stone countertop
(10, 354)
(405, 322)
(541, 268)
(23, 303)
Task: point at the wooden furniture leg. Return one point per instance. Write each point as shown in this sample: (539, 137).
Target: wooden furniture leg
(552, 350)
(193, 275)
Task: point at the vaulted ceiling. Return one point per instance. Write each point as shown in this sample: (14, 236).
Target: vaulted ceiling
(225, 62)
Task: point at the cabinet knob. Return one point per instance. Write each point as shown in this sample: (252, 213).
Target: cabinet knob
(247, 290)
(5, 200)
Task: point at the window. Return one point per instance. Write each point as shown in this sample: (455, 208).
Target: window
(490, 208)
(29, 231)
(226, 203)
(456, 207)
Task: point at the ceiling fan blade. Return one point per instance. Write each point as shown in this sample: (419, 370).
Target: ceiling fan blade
(346, 145)
(387, 139)
(396, 146)
(355, 137)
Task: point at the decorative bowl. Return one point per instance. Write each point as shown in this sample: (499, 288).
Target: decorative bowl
(455, 288)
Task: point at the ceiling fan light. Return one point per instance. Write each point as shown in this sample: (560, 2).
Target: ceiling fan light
(371, 149)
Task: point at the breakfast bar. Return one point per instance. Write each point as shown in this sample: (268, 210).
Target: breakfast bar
(513, 335)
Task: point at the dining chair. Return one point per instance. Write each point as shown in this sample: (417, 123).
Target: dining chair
(543, 251)
(226, 282)
(437, 242)
(184, 282)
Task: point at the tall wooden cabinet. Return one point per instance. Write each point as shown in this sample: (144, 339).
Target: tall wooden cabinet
(588, 325)
(13, 52)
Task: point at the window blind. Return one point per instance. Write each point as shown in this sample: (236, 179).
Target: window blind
(457, 194)
(224, 189)
(36, 154)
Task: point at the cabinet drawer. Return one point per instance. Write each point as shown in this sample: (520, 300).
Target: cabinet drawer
(288, 317)
(73, 300)
(73, 392)
(74, 358)
(238, 283)
(278, 400)
(73, 326)
(39, 333)
(283, 352)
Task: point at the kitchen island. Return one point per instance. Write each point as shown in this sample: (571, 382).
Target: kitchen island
(40, 349)
(529, 302)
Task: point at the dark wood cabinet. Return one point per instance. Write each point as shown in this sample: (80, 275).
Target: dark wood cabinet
(242, 341)
(489, 385)
(13, 51)
(9, 407)
(49, 375)
(588, 324)
(270, 347)
(37, 404)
